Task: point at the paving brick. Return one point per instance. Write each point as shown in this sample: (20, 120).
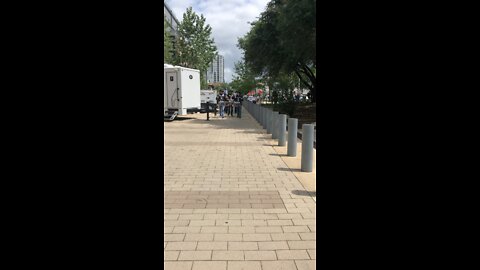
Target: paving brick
(285, 236)
(265, 216)
(279, 265)
(212, 245)
(292, 255)
(308, 236)
(274, 245)
(186, 229)
(260, 255)
(253, 211)
(228, 237)
(240, 216)
(228, 222)
(299, 229)
(173, 237)
(170, 255)
(252, 222)
(193, 237)
(177, 265)
(312, 253)
(170, 217)
(257, 237)
(268, 229)
(234, 207)
(241, 229)
(190, 216)
(202, 223)
(306, 264)
(302, 244)
(228, 255)
(275, 211)
(181, 246)
(195, 255)
(298, 222)
(242, 246)
(174, 223)
(215, 229)
(280, 222)
(250, 265)
(204, 211)
(215, 216)
(215, 265)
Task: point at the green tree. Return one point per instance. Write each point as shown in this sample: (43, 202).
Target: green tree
(243, 79)
(283, 41)
(167, 44)
(195, 48)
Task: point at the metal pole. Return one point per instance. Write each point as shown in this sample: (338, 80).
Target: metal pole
(292, 137)
(264, 118)
(269, 121)
(260, 115)
(275, 126)
(208, 110)
(307, 147)
(282, 130)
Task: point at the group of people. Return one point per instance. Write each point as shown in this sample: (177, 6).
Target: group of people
(230, 104)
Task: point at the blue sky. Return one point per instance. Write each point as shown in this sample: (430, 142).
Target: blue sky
(228, 19)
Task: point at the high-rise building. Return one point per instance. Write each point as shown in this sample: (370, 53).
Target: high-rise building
(215, 73)
(172, 25)
(171, 20)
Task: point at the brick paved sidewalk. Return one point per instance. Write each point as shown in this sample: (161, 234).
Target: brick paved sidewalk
(231, 203)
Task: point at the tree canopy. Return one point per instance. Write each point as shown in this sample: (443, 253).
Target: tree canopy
(283, 41)
(195, 47)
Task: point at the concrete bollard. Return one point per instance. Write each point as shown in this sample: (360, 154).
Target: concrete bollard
(292, 137)
(261, 116)
(282, 130)
(269, 122)
(307, 147)
(275, 125)
(265, 118)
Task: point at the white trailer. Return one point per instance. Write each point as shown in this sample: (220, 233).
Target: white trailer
(181, 90)
(209, 96)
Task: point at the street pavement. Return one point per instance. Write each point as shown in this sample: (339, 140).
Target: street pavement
(233, 200)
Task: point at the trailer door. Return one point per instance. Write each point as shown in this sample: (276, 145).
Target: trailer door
(173, 95)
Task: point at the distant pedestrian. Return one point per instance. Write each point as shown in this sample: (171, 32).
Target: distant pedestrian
(238, 102)
(221, 102)
(230, 105)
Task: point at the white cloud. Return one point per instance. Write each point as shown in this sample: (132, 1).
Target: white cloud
(229, 21)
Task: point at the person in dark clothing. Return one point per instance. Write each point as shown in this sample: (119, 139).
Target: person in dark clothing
(221, 100)
(238, 101)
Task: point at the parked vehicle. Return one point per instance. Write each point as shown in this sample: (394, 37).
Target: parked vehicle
(209, 96)
(181, 90)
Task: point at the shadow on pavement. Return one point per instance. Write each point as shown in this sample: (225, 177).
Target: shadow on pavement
(288, 169)
(278, 155)
(227, 123)
(178, 118)
(304, 193)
